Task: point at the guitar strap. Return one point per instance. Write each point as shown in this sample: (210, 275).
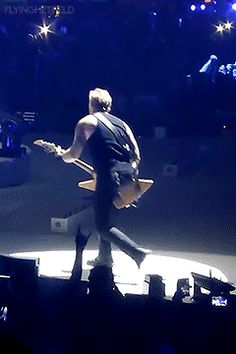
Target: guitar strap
(123, 140)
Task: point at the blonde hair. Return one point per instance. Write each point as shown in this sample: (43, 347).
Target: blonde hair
(100, 100)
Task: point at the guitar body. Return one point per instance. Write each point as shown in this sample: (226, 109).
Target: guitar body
(128, 194)
(89, 185)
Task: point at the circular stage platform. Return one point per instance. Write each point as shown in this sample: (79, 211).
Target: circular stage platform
(128, 277)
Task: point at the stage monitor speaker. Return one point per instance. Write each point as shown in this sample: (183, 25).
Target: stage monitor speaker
(10, 266)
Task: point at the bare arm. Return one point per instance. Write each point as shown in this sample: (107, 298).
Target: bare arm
(134, 142)
(83, 131)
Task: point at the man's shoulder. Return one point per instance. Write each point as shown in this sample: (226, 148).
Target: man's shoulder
(89, 120)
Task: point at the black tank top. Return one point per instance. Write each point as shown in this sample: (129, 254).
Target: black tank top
(106, 149)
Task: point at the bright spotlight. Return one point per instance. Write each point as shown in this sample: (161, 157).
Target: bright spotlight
(202, 7)
(234, 6)
(228, 25)
(220, 28)
(193, 7)
(44, 30)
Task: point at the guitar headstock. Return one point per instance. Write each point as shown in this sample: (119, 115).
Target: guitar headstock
(47, 146)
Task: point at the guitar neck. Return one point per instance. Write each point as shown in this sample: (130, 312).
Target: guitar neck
(85, 166)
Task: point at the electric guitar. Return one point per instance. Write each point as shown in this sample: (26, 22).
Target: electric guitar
(128, 194)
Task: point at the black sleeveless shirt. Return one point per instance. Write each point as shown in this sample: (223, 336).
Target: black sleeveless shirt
(106, 149)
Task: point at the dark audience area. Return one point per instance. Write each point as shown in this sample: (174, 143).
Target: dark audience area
(49, 315)
(46, 315)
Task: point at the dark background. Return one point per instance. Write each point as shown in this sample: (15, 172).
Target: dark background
(141, 51)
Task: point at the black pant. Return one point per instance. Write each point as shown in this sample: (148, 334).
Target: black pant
(108, 186)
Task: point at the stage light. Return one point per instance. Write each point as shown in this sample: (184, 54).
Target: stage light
(44, 30)
(228, 25)
(203, 7)
(11, 136)
(193, 7)
(220, 28)
(63, 29)
(234, 6)
(57, 11)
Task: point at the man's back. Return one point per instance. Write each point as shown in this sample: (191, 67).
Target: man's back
(109, 143)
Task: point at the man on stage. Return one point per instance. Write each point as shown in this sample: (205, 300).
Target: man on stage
(116, 158)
